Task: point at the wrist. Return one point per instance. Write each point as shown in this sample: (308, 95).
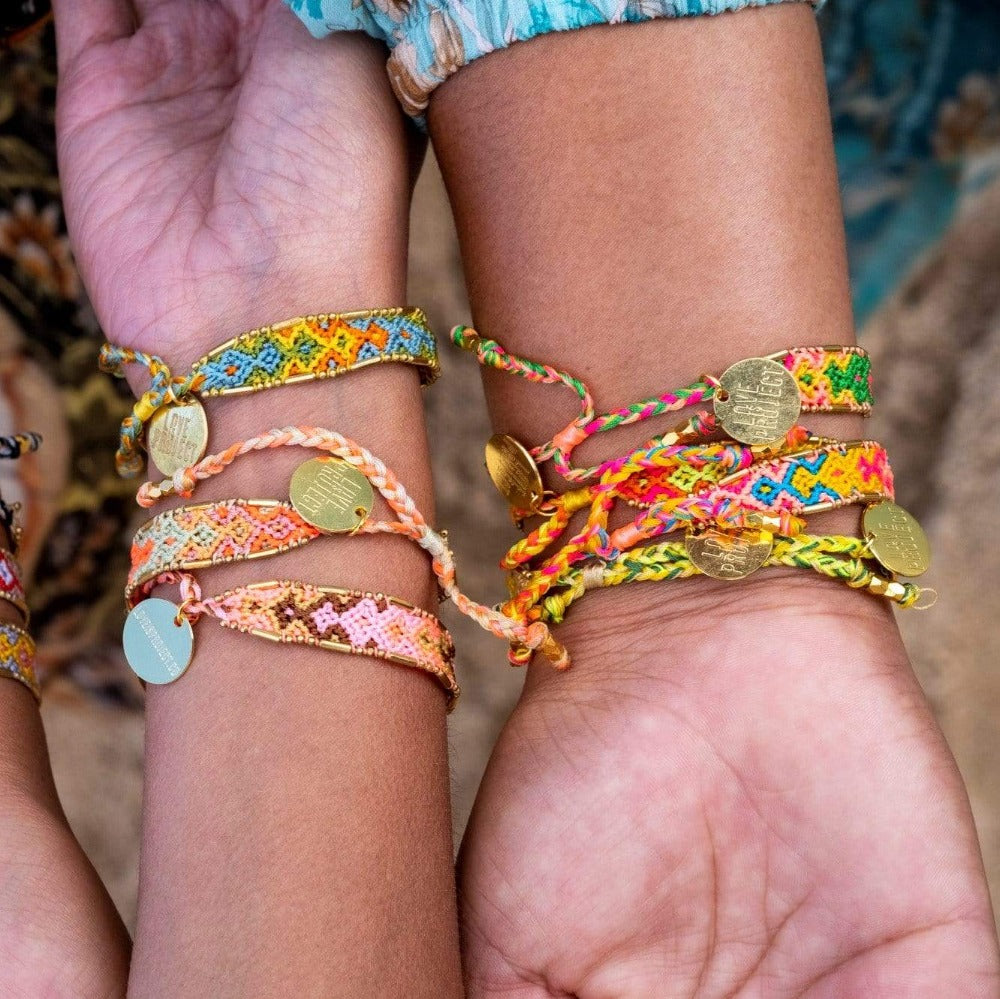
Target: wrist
(654, 639)
(213, 310)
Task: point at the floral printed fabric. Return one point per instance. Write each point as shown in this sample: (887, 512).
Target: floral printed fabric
(431, 39)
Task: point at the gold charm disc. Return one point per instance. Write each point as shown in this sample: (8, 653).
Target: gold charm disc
(178, 436)
(331, 495)
(896, 539)
(728, 556)
(514, 472)
(760, 401)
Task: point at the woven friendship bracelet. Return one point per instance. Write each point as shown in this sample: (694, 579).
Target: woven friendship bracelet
(159, 640)
(11, 587)
(791, 484)
(831, 475)
(834, 556)
(301, 349)
(14, 445)
(647, 476)
(193, 537)
(747, 396)
(774, 494)
(17, 657)
(353, 621)
(410, 522)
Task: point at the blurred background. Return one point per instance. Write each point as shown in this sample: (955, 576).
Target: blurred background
(915, 93)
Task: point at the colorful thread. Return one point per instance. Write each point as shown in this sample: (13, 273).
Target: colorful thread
(351, 621)
(300, 349)
(14, 445)
(782, 489)
(17, 658)
(411, 523)
(830, 379)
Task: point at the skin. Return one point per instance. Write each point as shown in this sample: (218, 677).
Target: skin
(222, 170)
(59, 932)
(738, 790)
(700, 809)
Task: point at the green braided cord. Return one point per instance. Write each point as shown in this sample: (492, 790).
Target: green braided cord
(492, 354)
(670, 560)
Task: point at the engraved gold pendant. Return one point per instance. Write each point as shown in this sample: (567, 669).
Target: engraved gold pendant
(758, 402)
(514, 472)
(158, 641)
(178, 436)
(728, 556)
(896, 539)
(331, 494)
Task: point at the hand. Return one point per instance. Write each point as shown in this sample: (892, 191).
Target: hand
(220, 167)
(60, 935)
(735, 792)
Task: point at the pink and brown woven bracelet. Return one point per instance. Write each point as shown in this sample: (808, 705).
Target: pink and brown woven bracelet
(356, 622)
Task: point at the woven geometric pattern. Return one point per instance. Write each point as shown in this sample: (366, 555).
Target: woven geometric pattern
(17, 657)
(318, 347)
(833, 475)
(361, 623)
(832, 379)
(204, 534)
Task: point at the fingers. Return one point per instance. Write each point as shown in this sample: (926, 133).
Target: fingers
(82, 23)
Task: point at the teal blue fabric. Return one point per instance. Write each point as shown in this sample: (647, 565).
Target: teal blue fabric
(431, 39)
(915, 97)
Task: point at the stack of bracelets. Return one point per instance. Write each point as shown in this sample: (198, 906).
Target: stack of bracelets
(17, 649)
(736, 482)
(333, 493)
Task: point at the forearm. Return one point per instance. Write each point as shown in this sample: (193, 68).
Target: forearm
(641, 203)
(296, 834)
(696, 225)
(297, 831)
(56, 920)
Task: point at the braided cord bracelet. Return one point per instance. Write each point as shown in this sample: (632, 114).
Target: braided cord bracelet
(774, 494)
(17, 658)
(341, 620)
(14, 445)
(820, 379)
(837, 557)
(301, 349)
(411, 523)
